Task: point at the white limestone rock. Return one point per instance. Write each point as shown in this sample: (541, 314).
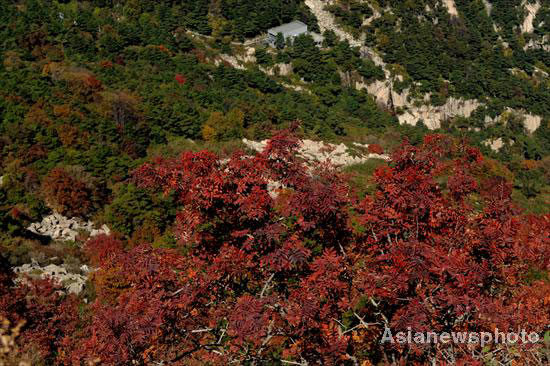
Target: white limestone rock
(432, 116)
(281, 69)
(531, 9)
(488, 6)
(319, 151)
(72, 282)
(494, 144)
(451, 7)
(59, 227)
(231, 60)
(530, 122)
(542, 44)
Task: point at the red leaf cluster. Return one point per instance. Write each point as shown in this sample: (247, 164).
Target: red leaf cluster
(180, 79)
(66, 193)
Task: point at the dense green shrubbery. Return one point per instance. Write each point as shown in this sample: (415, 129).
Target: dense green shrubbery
(98, 86)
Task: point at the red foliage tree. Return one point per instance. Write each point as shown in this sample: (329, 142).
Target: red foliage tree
(67, 194)
(375, 149)
(50, 317)
(6, 276)
(432, 262)
(306, 274)
(254, 276)
(98, 249)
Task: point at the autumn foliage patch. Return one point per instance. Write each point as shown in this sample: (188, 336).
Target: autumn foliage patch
(308, 272)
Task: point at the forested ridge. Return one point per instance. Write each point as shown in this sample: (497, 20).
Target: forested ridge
(132, 114)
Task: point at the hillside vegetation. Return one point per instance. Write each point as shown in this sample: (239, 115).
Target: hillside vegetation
(131, 115)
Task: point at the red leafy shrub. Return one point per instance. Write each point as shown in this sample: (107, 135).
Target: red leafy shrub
(295, 274)
(180, 79)
(375, 149)
(68, 192)
(100, 248)
(6, 276)
(434, 263)
(306, 274)
(50, 317)
(254, 274)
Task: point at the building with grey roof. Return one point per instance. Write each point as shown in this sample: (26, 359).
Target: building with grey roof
(289, 31)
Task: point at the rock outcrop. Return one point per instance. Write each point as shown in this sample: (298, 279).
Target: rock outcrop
(432, 116)
(319, 151)
(488, 6)
(278, 69)
(451, 7)
(542, 43)
(494, 144)
(230, 60)
(530, 122)
(531, 10)
(411, 113)
(326, 21)
(59, 227)
(72, 282)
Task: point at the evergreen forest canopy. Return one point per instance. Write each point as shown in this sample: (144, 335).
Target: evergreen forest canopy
(132, 114)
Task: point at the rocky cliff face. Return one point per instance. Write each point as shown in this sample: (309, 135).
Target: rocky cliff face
(531, 10)
(410, 112)
(530, 121)
(432, 116)
(326, 21)
(451, 7)
(494, 144)
(541, 43)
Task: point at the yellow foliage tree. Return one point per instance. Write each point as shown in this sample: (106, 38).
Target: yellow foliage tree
(223, 127)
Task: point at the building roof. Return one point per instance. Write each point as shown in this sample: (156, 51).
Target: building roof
(287, 28)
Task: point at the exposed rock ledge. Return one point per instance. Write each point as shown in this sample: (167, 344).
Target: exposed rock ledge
(72, 282)
(530, 122)
(326, 21)
(542, 43)
(451, 7)
(532, 10)
(59, 227)
(318, 151)
(432, 116)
